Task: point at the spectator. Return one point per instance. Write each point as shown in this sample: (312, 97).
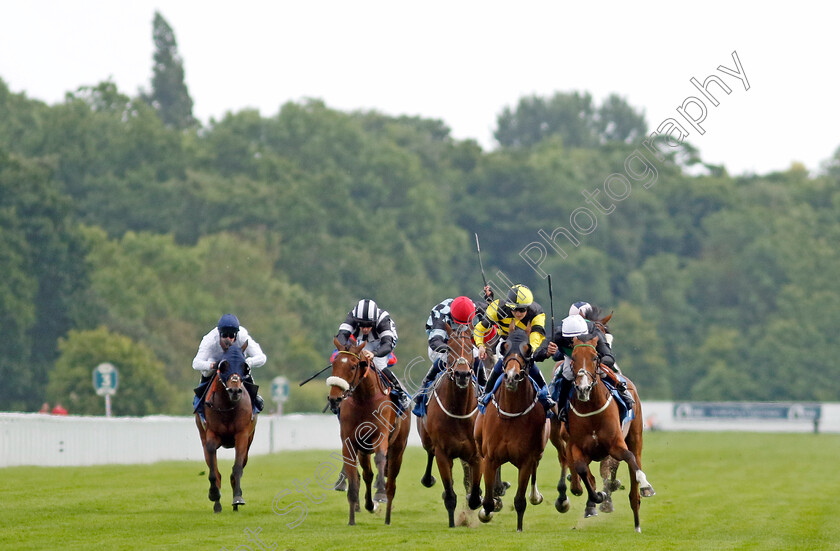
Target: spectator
(58, 409)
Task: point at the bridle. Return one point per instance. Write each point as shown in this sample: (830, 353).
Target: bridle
(358, 377)
(235, 378)
(519, 378)
(593, 379)
(451, 374)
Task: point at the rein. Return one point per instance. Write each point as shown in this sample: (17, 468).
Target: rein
(212, 392)
(509, 415)
(450, 373)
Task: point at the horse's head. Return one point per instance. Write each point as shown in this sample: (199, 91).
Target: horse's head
(459, 358)
(232, 370)
(348, 369)
(585, 364)
(516, 350)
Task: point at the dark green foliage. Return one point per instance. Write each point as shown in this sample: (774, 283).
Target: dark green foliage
(112, 218)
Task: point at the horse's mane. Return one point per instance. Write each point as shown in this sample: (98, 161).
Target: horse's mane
(515, 339)
(597, 315)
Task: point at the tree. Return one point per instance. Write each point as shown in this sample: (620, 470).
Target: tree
(142, 390)
(169, 96)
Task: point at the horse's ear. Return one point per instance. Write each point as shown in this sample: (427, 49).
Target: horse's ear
(244, 346)
(528, 329)
(607, 319)
(525, 349)
(358, 348)
(504, 348)
(448, 328)
(512, 326)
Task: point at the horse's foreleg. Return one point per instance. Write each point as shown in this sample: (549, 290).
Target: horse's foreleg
(638, 481)
(215, 477)
(473, 466)
(381, 461)
(367, 476)
(519, 503)
(450, 500)
(488, 468)
(581, 466)
(428, 480)
(396, 448)
(241, 458)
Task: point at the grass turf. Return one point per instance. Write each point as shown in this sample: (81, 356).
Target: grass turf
(714, 491)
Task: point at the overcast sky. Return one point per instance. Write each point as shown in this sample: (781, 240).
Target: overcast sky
(461, 61)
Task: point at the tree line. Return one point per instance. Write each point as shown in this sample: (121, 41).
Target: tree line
(127, 228)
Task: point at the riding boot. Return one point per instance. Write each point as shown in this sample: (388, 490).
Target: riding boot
(200, 391)
(478, 370)
(252, 389)
(401, 396)
(491, 382)
(436, 368)
(621, 386)
(542, 394)
(563, 398)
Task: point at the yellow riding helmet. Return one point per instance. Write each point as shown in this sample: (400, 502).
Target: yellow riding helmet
(519, 296)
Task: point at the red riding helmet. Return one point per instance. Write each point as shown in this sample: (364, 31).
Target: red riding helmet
(463, 310)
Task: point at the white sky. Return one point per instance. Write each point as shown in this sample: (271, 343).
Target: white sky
(460, 61)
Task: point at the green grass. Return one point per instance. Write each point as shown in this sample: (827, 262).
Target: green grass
(714, 491)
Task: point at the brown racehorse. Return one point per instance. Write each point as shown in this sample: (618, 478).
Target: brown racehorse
(446, 430)
(370, 423)
(595, 430)
(512, 429)
(230, 423)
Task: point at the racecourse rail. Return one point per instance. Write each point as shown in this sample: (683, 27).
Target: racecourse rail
(51, 440)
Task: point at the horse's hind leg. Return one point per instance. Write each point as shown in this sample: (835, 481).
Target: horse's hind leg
(536, 497)
(450, 500)
(488, 467)
(611, 484)
(381, 461)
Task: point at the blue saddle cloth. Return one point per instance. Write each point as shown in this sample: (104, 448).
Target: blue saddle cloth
(625, 414)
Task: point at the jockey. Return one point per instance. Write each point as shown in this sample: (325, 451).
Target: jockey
(458, 312)
(374, 326)
(518, 307)
(560, 347)
(214, 344)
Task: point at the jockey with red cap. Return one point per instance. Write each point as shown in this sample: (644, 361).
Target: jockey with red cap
(458, 312)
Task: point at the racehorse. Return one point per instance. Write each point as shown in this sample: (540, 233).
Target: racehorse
(446, 430)
(513, 428)
(596, 432)
(370, 423)
(230, 423)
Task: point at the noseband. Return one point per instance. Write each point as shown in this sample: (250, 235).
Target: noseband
(359, 377)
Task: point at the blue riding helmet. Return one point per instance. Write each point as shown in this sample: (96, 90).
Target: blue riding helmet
(228, 321)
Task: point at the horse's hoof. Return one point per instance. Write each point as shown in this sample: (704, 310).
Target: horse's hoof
(536, 500)
(428, 482)
(647, 491)
(375, 507)
(484, 516)
(562, 506)
(217, 507)
(380, 497)
(497, 504)
(238, 501)
(607, 506)
(214, 494)
(590, 512)
(613, 485)
(358, 507)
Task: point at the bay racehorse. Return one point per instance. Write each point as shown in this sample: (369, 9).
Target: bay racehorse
(595, 429)
(513, 428)
(230, 423)
(370, 424)
(446, 431)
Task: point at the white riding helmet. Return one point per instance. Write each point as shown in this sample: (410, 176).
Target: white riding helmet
(580, 308)
(574, 325)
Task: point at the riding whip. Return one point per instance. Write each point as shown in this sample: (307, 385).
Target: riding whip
(480, 263)
(312, 377)
(551, 303)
